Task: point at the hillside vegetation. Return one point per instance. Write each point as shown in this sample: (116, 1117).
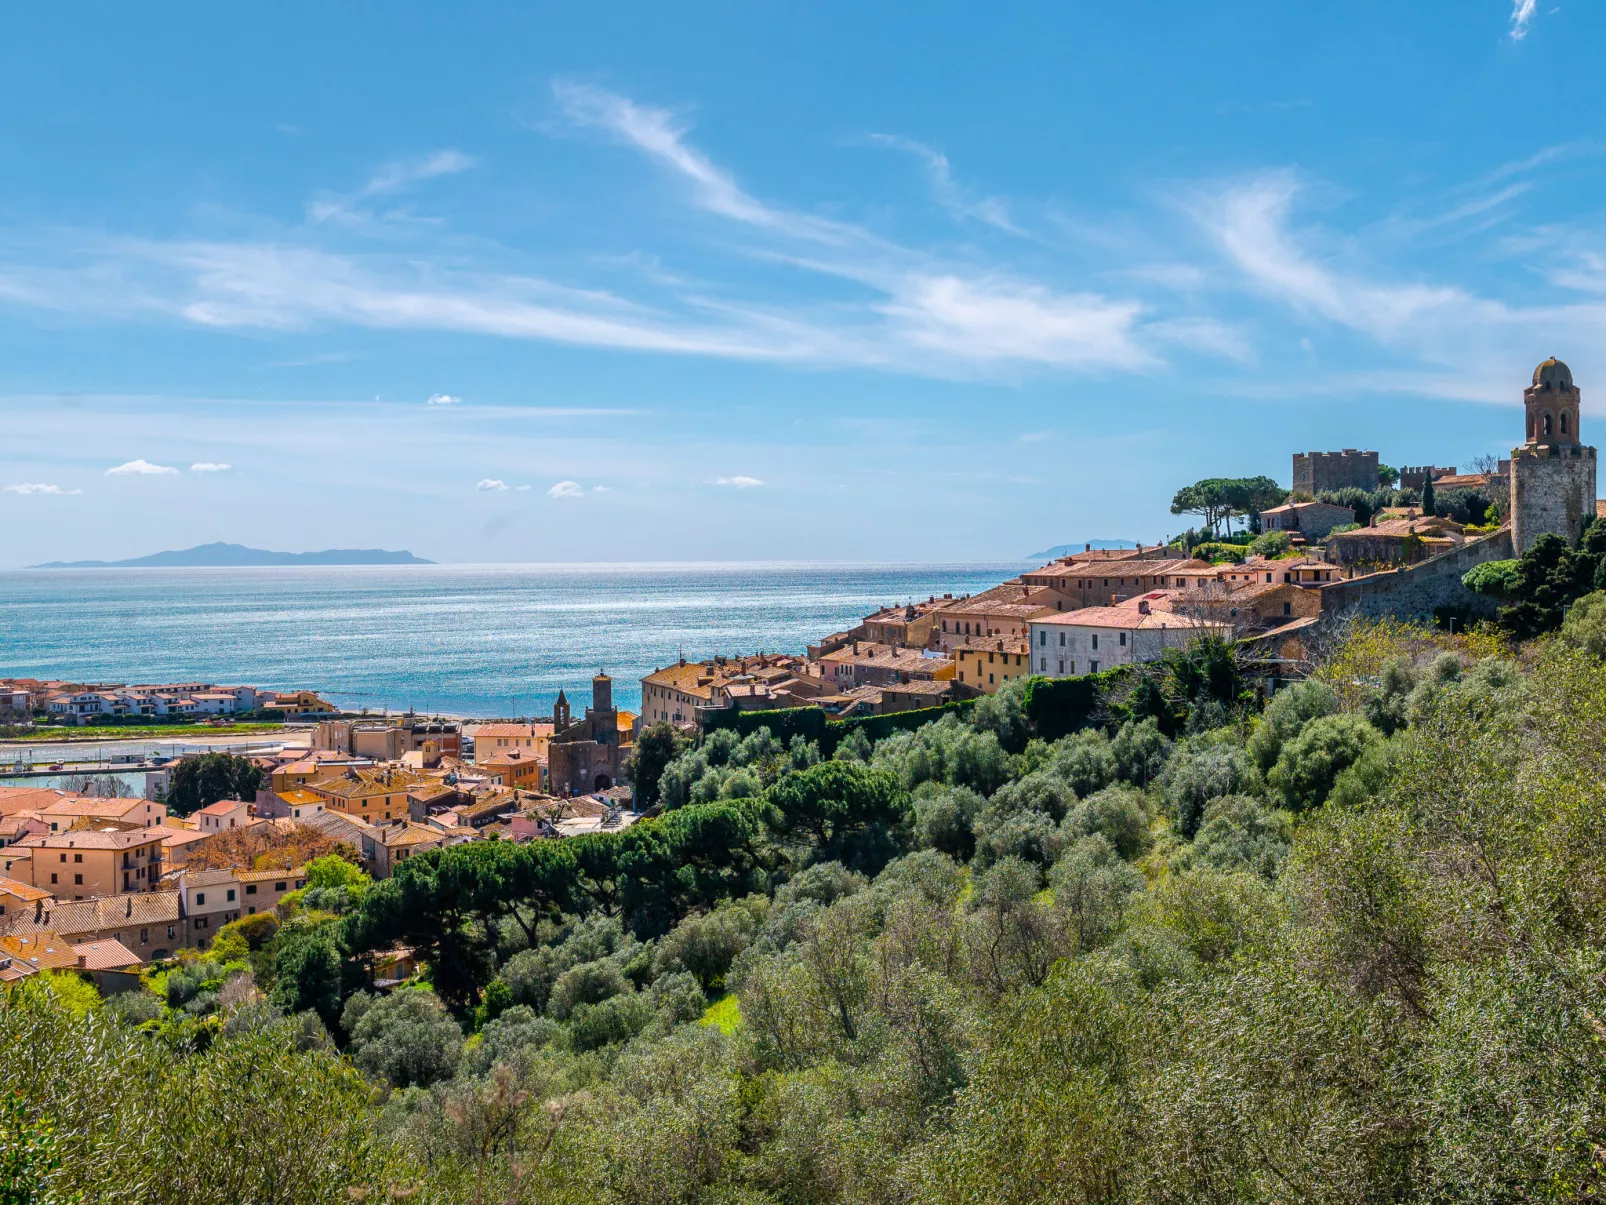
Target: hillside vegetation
(1342, 946)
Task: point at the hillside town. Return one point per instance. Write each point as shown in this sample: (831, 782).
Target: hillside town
(107, 884)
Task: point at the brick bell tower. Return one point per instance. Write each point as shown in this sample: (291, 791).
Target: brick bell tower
(1553, 473)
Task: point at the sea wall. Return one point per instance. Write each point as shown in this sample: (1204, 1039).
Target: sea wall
(1418, 591)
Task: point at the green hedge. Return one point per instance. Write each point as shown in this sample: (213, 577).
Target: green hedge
(812, 724)
(878, 727)
(784, 723)
(1060, 706)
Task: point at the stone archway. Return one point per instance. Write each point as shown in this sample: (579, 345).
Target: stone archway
(603, 783)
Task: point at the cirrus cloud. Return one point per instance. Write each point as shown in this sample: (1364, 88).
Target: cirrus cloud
(210, 466)
(37, 487)
(443, 399)
(491, 485)
(741, 483)
(566, 489)
(141, 468)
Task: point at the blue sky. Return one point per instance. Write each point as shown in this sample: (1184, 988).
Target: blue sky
(644, 282)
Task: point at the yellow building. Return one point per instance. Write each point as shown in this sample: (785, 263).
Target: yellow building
(16, 895)
(521, 769)
(491, 739)
(80, 864)
(301, 702)
(988, 664)
(373, 795)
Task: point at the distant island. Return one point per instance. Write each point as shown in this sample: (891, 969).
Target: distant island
(213, 556)
(1059, 550)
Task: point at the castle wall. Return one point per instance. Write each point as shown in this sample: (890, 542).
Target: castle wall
(1318, 471)
(1417, 591)
(1552, 491)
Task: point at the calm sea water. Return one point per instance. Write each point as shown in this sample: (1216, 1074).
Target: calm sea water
(473, 640)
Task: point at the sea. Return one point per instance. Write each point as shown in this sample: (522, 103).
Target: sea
(465, 640)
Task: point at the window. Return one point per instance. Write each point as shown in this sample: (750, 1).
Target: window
(201, 922)
(200, 898)
(1062, 640)
(144, 937)
(1123, 639)
(1095, 640)
(1042, 638)
(1288, 608)
(250, 889)
(989, 679)
(1042, 664)
(170, 933)
(1062, 667)
(78, 880)
(1092, 667)
(52, 877)
(78, 857)
(63, 857)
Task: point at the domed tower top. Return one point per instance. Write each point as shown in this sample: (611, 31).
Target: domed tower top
(1552, 402)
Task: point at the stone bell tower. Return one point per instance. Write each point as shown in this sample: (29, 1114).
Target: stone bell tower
(1553, 473)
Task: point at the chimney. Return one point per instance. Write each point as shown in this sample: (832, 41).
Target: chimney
(1112, 598)
(1143, 606)
(1087, 547)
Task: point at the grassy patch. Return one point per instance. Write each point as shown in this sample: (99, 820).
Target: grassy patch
(119, 732)
(724, 1014)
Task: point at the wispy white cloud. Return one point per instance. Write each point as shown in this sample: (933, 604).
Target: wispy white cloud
(348, 209)
(994, 211)
(210, 466)
(522, 488)
(602, 489)
(1451, 341)
(741, 483)
(37, 487)
(566, 489)
(898, 308)
(1522, 13)
(490, 485)
(403, 172)
(443, 399)
(140, 468)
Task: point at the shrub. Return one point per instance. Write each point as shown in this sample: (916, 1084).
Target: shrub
(1198, 774)
(1309, 764)
(404, 1038)
(1288, 712)
(588, 983)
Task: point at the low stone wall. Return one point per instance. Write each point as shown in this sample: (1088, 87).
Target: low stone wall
(1417, 591)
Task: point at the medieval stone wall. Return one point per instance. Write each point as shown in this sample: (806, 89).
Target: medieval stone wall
(1417, 591)
(1552, 490)
(1318, 471)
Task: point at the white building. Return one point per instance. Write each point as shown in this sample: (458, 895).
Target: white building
(1066, 644)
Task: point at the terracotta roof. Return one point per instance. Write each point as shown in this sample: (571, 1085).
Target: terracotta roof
(46, 950)
(221, 808)
(413, 834)
(354, 783)
(94, 805)
(299, 796)
(104, 956)
(210, 878)
(174, 837)
(93, 839)
(263, 876)
(23, 891)
(18, 799)
(1122, 617)
(525, 731)
(1296, 507)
